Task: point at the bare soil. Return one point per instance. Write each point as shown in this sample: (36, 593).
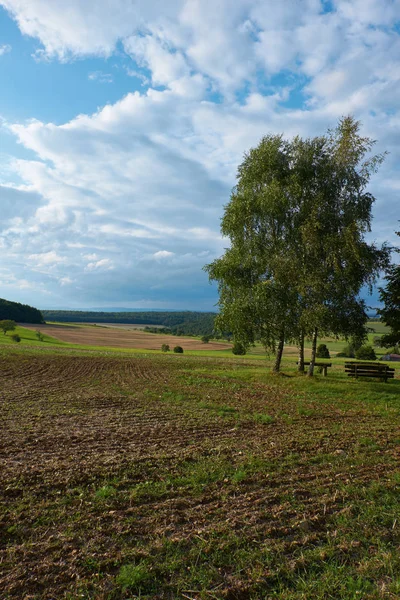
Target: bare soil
(164, 464)
(123, 338)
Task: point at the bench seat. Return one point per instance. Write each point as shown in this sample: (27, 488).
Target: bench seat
(354, 369)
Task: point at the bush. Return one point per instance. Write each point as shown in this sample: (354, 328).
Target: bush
(366, 353)
(238, 349)
(178, 349)
(39, 335)
(15, 337)
(205, 339)
(348, 351)
(7, 325)
(165, 348)
(322, 351)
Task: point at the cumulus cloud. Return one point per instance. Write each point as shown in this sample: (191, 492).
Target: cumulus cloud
(125, 203)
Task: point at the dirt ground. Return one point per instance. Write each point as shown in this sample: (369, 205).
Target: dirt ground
(167, 477)
(123, 338)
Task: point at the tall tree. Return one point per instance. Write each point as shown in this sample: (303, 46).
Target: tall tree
(390, 313)
(334, 214)
(298, 258)
(257, 300)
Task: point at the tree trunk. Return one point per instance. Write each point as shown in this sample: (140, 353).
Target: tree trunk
(313, 353)
(300, 367)
(279, 353)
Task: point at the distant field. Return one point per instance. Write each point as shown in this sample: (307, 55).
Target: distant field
(126, 325)
(122, 337)
(167, 477)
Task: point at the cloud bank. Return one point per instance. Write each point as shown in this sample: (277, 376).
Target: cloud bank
(123, 205)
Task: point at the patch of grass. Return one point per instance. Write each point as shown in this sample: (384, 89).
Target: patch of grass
(263, 418)
(105, 492)
(133, 577)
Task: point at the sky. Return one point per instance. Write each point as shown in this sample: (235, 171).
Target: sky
(122, 125)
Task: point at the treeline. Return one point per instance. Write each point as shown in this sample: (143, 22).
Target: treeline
(21, 313)
(178, 323)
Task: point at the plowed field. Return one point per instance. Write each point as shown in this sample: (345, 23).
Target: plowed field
(123, 338)
(178, 477)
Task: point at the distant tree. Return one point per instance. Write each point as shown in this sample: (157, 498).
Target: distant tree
(322, 351)
(390, 313)
(39, 335)
(205, 339)
(238, 349)
(365, 353)
(178, 350)
(165, 348)
(7, 325)
(15, 337)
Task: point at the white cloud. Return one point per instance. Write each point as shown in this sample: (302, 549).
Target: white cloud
(104, 264)
(46, 258)
(100, 77)
(5, 49)
(107, 192)
(163, 254)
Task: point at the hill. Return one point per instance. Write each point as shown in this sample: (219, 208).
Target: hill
(179, 322)
(22, 313)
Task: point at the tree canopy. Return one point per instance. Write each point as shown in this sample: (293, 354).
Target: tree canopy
(390, 313)
(298, 258)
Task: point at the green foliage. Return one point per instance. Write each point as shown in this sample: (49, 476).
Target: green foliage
(205, 339)
(365, 353)
(390, 313)
(15, 337)
(133, 577)
(238, 349)
(178, 350)
(347, 352)
(296, 222)
(7, 325)
(165, 348)
(174, 322)
(322, 351)
(39, 335)
(22, 313)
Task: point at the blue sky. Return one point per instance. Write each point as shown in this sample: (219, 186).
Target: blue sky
(122, 124)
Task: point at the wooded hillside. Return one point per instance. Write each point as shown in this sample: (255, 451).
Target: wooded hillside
(21, 313)
(183, 323)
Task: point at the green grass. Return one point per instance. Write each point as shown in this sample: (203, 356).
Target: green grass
(153, 476)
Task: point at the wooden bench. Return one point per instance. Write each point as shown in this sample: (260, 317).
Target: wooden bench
(364, 369)
(322, 366)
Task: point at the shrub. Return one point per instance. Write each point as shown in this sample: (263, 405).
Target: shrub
(322, 351)
(238, 349)
(348, 351)
(365, 353)
(178, 349)
(39, 335)
(7, 325)
(15, 337)
(205, 339)
(165, 348)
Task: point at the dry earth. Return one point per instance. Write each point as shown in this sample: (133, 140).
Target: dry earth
(167, 477)
(122, 338)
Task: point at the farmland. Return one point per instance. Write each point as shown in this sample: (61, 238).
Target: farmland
(166, 476)
(123, 336)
